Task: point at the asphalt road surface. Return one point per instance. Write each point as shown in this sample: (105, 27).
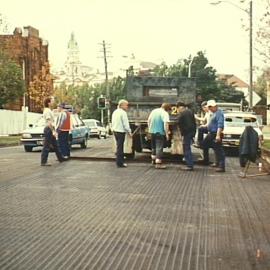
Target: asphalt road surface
(84, 214)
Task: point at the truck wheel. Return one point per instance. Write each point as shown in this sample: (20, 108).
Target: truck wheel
(28, 148)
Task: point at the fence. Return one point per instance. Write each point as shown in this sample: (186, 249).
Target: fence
(14, 122)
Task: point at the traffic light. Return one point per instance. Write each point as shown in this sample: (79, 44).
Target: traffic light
(102, 103)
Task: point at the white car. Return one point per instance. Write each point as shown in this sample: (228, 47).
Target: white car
(96, 128)
(235, 124)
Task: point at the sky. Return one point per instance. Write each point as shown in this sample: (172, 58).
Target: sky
(152, 30)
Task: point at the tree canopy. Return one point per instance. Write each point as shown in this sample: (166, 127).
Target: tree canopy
(11, 83)
(207, 82)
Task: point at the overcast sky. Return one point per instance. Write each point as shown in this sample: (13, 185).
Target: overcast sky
(154, 30)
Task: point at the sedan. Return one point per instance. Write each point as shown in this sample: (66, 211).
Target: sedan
(34, 136)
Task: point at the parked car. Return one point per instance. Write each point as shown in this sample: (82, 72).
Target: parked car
(34, 136)
(234, 126)
(96, 128)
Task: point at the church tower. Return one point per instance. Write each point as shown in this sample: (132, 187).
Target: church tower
(73, 64)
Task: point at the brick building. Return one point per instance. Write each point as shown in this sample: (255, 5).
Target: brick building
(27, 49)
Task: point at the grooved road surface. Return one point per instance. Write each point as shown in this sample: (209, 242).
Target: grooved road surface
(92, 215)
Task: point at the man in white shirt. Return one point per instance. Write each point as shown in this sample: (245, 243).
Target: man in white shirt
(158, 123)
(49, 135)
(204, 122)
(120, 126)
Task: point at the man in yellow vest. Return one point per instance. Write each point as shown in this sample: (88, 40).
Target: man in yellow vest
(63, 126)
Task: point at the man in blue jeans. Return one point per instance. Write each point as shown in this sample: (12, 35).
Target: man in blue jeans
(214, 137)
(158, 123)
(187, 125)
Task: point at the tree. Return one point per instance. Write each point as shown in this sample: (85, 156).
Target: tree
(207, 84)
(11, 83)
(41, 87)
(263, 33)
(4, 25)
(261, 85)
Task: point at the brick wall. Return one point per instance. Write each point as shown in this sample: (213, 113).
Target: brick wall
(26, 46)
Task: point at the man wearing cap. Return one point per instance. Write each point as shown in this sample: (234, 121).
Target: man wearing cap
(214, 136)
(63, 126)
(158, 124)
(187, 125)
(120, 126)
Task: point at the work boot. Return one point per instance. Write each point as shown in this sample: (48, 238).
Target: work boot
(160, 166)
(46, 164)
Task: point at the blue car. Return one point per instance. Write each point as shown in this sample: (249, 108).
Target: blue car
(34, 136)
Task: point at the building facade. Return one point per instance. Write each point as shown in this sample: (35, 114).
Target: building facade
(30, 52)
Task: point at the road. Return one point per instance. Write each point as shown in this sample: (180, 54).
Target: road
(84, 214)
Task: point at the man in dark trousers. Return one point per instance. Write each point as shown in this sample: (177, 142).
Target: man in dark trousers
(214, 137)
(63, 126)
(49, 135)
(187, 127)
(120, 127)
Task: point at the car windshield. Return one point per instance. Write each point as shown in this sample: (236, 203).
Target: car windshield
(240, 121)
(90, 123)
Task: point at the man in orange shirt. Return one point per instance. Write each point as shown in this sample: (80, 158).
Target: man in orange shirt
(63, 126)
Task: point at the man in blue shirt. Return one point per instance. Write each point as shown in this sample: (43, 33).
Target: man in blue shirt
(214, 136)
(158, 123)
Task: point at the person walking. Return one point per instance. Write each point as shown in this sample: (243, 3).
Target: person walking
(204, 121)
(214, 137)
(120, 127)
(187, 125)
(63, 126)
(158, 123)
(49, 135)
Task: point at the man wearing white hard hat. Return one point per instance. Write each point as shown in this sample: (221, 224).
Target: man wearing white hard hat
(214, 136)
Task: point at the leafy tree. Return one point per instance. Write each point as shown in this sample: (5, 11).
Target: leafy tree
(4, 25)
(205, 76)
(11, 83)
(84, 98)
(261, 85)
(41, 87)
(263, 33)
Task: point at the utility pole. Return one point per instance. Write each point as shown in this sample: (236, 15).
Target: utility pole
(250, 58)
(106, 81)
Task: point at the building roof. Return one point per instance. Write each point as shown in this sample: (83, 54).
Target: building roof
(233, 80)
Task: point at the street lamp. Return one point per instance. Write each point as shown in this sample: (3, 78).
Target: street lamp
(249, 12)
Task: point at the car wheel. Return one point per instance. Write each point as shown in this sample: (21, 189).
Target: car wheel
(84, 143)
(28, 148)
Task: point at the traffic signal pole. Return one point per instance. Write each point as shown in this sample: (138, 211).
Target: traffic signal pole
(106, 81)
